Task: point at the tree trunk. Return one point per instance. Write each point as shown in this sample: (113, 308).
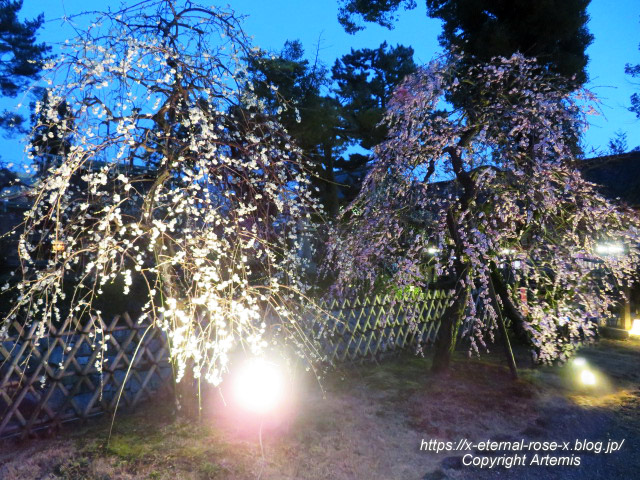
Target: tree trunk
(509, 310)
(447, 335)
(331, 187)
(445, 343)
(503, 331)
(452, 318)
(187, 395)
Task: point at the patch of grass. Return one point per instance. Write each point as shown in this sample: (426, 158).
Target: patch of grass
(74, 469)
(154, 445)
(199, 450)
(128, 448)
(211, 470)
(317, 423)
(398, 375)
(180, 441)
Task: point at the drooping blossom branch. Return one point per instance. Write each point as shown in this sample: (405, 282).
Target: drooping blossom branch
(174, 180)
(511, 205)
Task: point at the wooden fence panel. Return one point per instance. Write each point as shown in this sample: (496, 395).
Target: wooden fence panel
(361, 329)
(47, 381)
(57, 378)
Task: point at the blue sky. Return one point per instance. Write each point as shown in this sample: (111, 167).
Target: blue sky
(614, 24)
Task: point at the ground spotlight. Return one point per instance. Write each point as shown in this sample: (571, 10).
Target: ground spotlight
(587, 377)
(259, 385)
(579, 362)
(635, 327)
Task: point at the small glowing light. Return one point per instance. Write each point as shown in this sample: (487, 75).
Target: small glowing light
(635, 327)
(57, 246)
(579, 362)
(609, 248)
(259, 385)
(587, 377)
(433, 250)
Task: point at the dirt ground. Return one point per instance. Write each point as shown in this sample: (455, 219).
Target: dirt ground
(369, 424)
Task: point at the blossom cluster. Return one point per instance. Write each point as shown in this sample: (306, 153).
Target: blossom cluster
(491, 191)
(175, 184)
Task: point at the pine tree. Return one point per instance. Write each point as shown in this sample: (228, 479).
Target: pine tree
(552, 31)
(21, 57)
(634, 71)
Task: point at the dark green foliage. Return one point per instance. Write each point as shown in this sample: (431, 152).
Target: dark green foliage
(618, 143)
(553, 31)
(377, 11)
(323, 122)
(311, 117)
(634, 71)
(12, 122)
(365, 80)
(21, 58)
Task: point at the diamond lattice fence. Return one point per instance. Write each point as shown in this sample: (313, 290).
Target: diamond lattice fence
(49, 380)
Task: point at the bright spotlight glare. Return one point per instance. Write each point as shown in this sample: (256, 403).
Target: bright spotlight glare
(579, 362)
(587, 377)
(609, 249)
(259, 385)
(635, 327)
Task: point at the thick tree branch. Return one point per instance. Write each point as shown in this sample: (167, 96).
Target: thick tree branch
(508, 308)
(465, 179)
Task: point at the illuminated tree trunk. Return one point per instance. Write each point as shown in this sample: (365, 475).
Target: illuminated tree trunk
(331, 187)
(188, 395)
(452, 318)
(447, 334)
(509, 310)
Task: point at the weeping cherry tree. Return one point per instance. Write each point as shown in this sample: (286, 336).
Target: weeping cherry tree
(511, 223)
(174, 181)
